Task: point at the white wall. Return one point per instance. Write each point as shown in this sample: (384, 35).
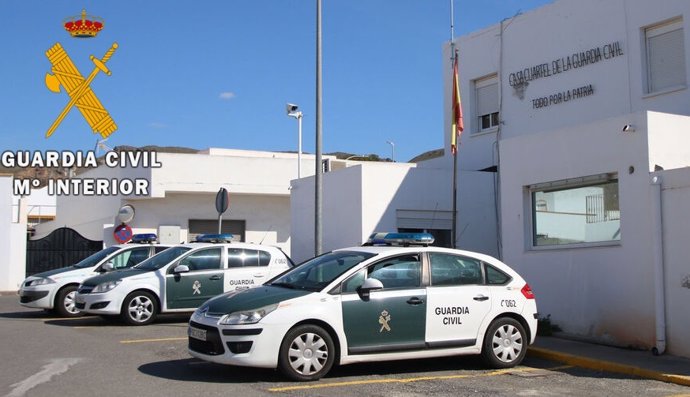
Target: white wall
(593, 292)
(676, 231)
(12, 238)
(363, 199)
(548, 34)
(184, 188)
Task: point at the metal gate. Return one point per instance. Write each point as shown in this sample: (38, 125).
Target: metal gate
(63, 247)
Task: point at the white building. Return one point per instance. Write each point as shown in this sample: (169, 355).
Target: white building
(582, 107)
(181, 198)
(592, 101)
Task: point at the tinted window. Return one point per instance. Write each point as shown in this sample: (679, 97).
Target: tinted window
(95, 258)
(447, 269)
(158, 249)
(130, 258)
(317, 273)
(495, 276)
(240, 257)
(399, 272)
(205, 259)
(159, 260)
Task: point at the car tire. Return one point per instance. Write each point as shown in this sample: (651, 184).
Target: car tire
(65, 304)
(139, 308)
(307, 353)
(505, 343)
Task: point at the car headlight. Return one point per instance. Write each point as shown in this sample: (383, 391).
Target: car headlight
(199, 313)
(105, 287)
(39, 281)
(247, 316)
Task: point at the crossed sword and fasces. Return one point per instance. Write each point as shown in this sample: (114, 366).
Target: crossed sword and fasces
(104, 126)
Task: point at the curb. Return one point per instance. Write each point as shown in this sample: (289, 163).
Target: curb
(8, 293)
(608, 366)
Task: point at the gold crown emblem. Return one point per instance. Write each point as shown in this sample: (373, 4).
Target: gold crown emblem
(83, 26)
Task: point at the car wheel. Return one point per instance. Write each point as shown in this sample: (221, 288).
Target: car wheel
(505, 343)
(65, 304)
(139, 308)
(307, 353)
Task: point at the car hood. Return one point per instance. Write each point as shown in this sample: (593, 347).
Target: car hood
(252, 298)
(54, 272)
(114, 275)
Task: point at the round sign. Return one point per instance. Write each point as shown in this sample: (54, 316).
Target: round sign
(222, 200)
(126, 213)
(123, 233)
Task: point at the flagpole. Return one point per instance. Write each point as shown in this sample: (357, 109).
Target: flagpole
(453, 55)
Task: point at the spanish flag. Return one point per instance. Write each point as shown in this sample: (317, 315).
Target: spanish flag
(456, 125)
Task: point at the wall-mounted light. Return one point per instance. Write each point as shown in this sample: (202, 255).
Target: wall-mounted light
(628, 128)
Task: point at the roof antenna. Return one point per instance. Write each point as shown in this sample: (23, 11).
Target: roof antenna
(265, 234)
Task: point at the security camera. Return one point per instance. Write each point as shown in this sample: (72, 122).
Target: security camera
(291, 108)
(628, 128)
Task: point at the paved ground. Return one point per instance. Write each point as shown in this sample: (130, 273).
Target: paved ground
(47, 356)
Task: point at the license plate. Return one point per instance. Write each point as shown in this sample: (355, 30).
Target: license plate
(197, 333)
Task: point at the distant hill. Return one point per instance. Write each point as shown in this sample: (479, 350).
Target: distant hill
(431, 154)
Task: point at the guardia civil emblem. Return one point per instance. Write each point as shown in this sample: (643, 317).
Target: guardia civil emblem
(196, 287)
(384, 318)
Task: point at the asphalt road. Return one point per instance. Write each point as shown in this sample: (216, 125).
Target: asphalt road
(46, 356)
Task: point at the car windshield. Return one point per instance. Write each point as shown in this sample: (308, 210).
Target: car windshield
(317, 273)
(94, 259)
(161, 259)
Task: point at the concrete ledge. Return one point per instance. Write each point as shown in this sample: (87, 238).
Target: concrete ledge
(8, 293)
(608, 366)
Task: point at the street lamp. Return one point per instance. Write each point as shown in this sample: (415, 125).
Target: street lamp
(292, 111)
(392, 149)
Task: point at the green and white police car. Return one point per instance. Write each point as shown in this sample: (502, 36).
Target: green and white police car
(56, 289)
(180, 279)
(371, 303)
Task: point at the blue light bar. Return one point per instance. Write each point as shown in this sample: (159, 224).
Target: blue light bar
(214, 238)
(144, 238)
(400, 239)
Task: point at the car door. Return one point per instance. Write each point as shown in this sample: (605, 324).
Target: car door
(458, 300)
(389, 319)
(247, 268)
(204, 280)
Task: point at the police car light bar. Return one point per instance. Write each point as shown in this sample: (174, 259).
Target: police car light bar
(144, 238)
(214, 238)
(404, 239)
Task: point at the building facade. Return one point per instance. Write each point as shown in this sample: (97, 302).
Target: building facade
(582, 107)
(180, 200)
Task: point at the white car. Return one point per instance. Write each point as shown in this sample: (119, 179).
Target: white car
(55, 289)
(180, 279)
(371, 303)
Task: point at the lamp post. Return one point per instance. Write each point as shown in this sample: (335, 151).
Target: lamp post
(392, 149)
(292, 111)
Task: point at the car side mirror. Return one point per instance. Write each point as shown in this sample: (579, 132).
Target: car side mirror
(107, 267)
(181, 269)
(370, 284)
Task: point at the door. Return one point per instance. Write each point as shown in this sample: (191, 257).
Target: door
(247, 268)
(458, 300)
(390, 319)
(203, 281)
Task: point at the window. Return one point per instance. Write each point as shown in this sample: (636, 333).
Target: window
(665, 51)
(205, 259)
(486, 103)
(495, 276)
(130, 258)
(581, 211)
(398, 272)
(449, 269)
(238, 257)
(210, 226)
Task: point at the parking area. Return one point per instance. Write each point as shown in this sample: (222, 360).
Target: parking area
(48, 356)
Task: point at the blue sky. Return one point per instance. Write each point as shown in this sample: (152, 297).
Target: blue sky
(218, 73)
